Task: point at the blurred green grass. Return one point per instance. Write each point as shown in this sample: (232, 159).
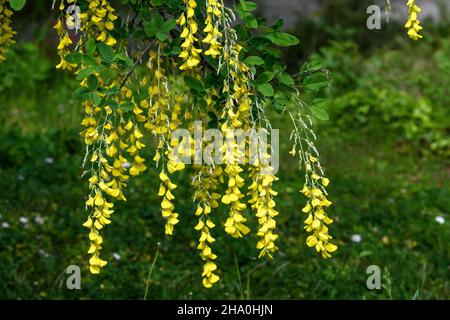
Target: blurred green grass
(385, 192)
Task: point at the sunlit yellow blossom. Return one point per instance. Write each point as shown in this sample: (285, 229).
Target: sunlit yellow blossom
(101, 212)
(213, 35)
(413, 24)
(205, 183)
(317, 220)
(64, 43)
(98, 21)
(190, 53)
(263, 203)
(165, 191)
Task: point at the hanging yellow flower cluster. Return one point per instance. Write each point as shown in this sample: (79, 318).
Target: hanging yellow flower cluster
(413, 24)
(213, 12)
(6, 31)
(99, 20)
(119, 109)
(64, 39)
(205, 182)
(237, 115)
(162, 119)
(109, 172)
(263, 203)
(190, 53)
(317, 220)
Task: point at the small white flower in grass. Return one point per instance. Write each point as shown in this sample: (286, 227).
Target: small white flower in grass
(5, 225)
(38, 219)
(23, 220)
(356, 238)
(49, 160)
(20, 177)
(440, 219)
(116, 256)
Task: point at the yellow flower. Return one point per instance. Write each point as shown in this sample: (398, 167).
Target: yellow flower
(190, 54)
(413, 24)
(205, 182)
(262, 202)
(99, 21)
(6, 31)
(213, 34)
(317, 220)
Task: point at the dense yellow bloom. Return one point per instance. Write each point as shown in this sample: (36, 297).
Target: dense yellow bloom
(90, 134)
(163, 117)
(165, 191)
(413, 24)
(64, 40)
(189, 53)
(124, 107)
(317, 221)
(263, 203)
(213, 34)
(6, 31)
(99, 21)
(113, 146)
(238, 106)
(205, 183)
(102, 210)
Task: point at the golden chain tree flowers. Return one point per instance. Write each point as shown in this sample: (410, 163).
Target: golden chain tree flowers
(6, 31)
(190, 53)
(413, 24)
(153, 72)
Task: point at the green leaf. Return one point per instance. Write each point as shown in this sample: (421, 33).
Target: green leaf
(283, 100)
(168, 25)
(74, 57)
(162, 36)
(264, 77)
(106, 52)
(91, 46)
(248, 6)
(254, 61)
(108, 91)
(112, 103)
(89, 60)
(152, 27)
(17, 5)
(316, 82)
(126, 106)
(95, 98)
(194, 84)
(84, 73)
(318, 111)
(282, 39)
(123, 58)
(266, 89)
(286, 79)
(92, 82)
(81, 93)
(212, 115)
(158, 2)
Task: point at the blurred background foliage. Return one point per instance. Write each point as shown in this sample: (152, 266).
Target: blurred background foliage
(385, 148)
